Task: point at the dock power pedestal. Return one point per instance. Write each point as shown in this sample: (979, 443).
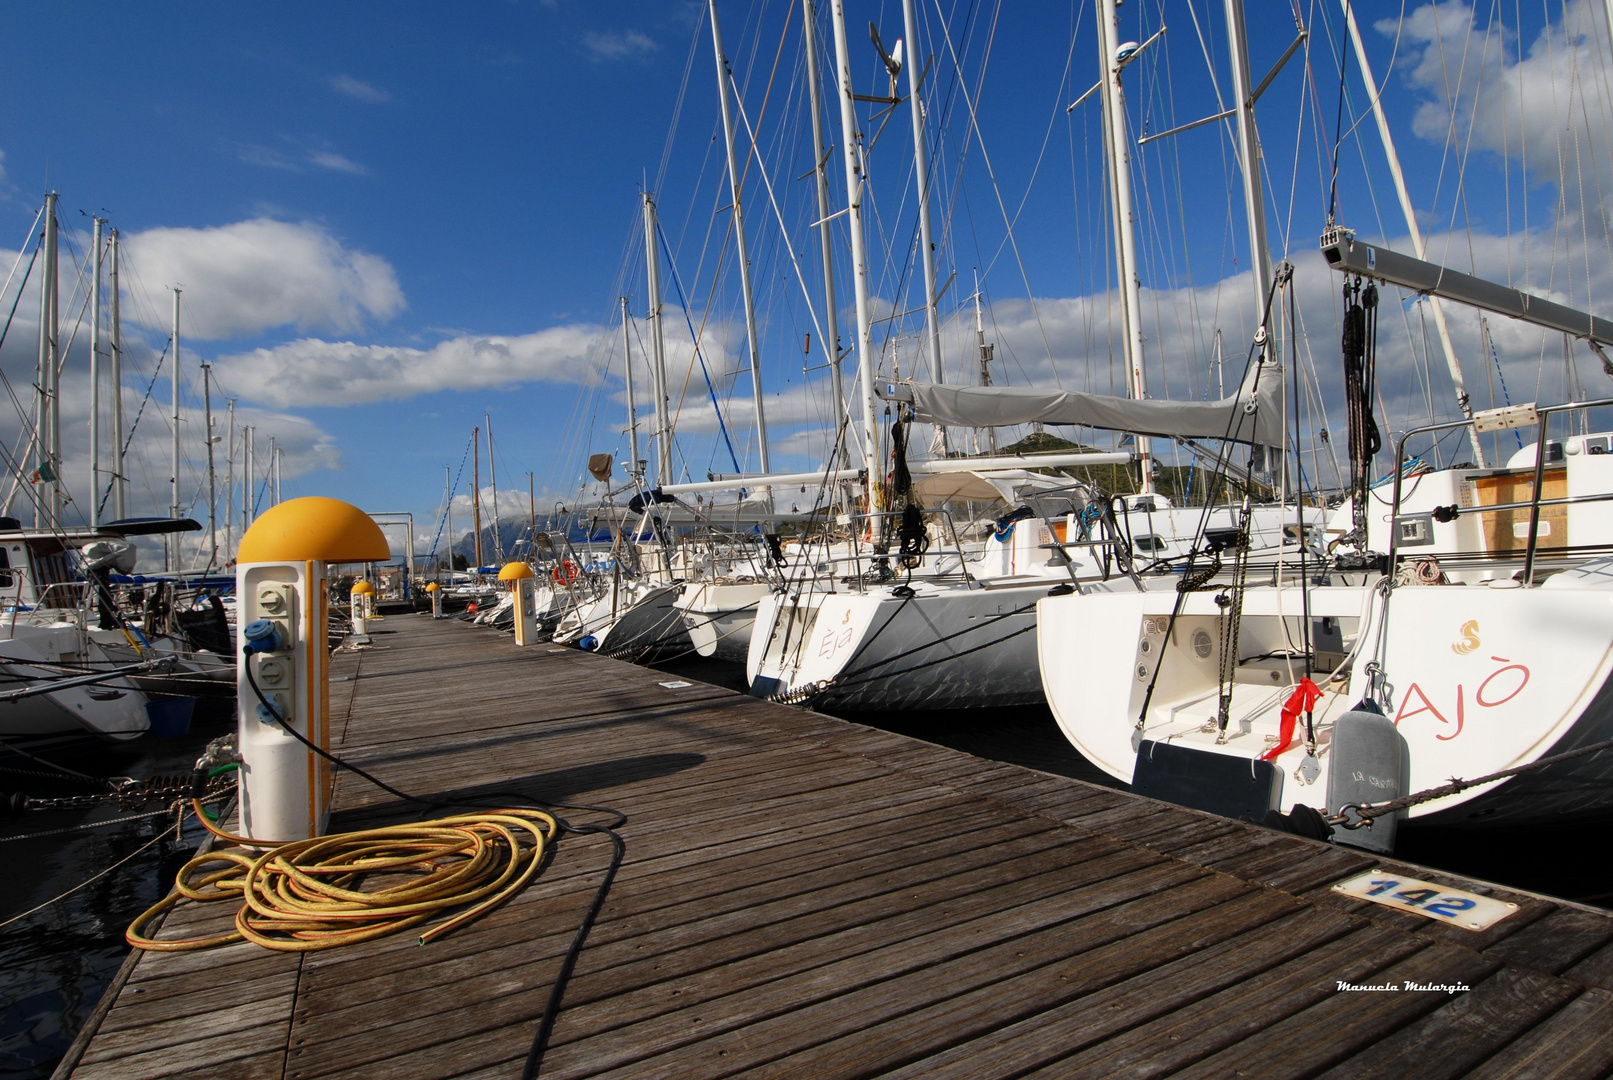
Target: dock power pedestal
(282, 585)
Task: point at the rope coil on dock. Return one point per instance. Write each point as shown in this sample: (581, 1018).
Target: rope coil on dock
(309, 894)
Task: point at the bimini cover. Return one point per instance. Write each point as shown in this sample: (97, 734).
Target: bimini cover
(935, 488)
(1253, 415)
(998, 485)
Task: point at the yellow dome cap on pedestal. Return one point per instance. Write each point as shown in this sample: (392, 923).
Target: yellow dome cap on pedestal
(317, 528)
(515, 571)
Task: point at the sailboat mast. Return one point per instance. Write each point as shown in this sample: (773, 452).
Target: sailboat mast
(820, 157)
(851, 141)
(1114, 124)
(1249, 157)
(663, 427)
(95, 372)
(492, 469)
(921, 179)
(246, 478)
(212, 483)
(532, 519)
(739, 241)
(118, 483)
(448, 514)
(172, 548)
(229, 481)
(1454, 365)
(634, 469)
(46, 413)
(476, 489)
(986, 352)
(271, 479)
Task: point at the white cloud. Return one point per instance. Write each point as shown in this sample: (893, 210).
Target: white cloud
(329, 159)
(359, 90)
(1547, 106)
(266, 157)
(617, 45)
(298, 155)
(311, 371)
(254, 275)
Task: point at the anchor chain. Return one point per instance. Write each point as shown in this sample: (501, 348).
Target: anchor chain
(124, 792)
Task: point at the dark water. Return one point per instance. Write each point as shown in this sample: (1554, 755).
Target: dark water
(1568, 862)
(56, 962)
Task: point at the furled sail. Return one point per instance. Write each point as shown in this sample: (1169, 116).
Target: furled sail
(1253, 415)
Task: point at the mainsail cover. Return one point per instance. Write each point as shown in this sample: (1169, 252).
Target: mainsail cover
(1253, 415)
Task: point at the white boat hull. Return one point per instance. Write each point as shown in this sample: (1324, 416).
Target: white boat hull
(1480, 679)
(112, 710)
(720, 615)
(942, 647)
(631, 621)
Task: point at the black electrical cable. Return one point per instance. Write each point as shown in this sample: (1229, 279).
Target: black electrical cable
(551, 1008)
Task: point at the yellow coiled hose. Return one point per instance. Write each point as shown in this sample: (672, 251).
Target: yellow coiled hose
(311, 894)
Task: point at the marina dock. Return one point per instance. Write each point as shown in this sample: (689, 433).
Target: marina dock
(806, 897)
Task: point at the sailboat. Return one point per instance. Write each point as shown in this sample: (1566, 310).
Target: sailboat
(1482, 633)
(1458, 627)
(960, 633)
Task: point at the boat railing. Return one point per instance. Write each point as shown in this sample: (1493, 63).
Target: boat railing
(859, 557)
(1493, 421)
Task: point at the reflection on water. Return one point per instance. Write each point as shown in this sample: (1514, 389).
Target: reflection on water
(55, 963)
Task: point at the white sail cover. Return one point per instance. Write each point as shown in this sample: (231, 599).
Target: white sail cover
(1253, 415)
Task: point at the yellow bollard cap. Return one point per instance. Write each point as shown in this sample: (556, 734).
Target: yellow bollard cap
(515, 571)
(363, 588)
(314, 528)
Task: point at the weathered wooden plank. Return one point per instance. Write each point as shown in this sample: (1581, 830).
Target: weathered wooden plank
(649, 993)
(645, 904)
(1173, 837)
(227, 989)
(1345, 1024)
(416, 1033)
(892, 1022)
(1464, 1031)
(1595, 970)
(632, 1040)
(166, 1049)
(1573, 1044)
(1555, 942)
(265, 1064)
(1163, 1019)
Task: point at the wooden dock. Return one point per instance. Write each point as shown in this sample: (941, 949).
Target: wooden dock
(804, 897)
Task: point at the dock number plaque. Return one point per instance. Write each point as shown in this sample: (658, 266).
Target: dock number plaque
(1468, 910)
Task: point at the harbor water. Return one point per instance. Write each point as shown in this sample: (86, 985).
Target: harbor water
(56, 961)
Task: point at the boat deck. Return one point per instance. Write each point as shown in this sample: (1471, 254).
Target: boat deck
(805, 897)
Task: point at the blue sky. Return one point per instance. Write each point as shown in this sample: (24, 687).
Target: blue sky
(392, 219)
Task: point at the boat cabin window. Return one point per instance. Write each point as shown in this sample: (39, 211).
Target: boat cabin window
(1149, 544)
(6, 578)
